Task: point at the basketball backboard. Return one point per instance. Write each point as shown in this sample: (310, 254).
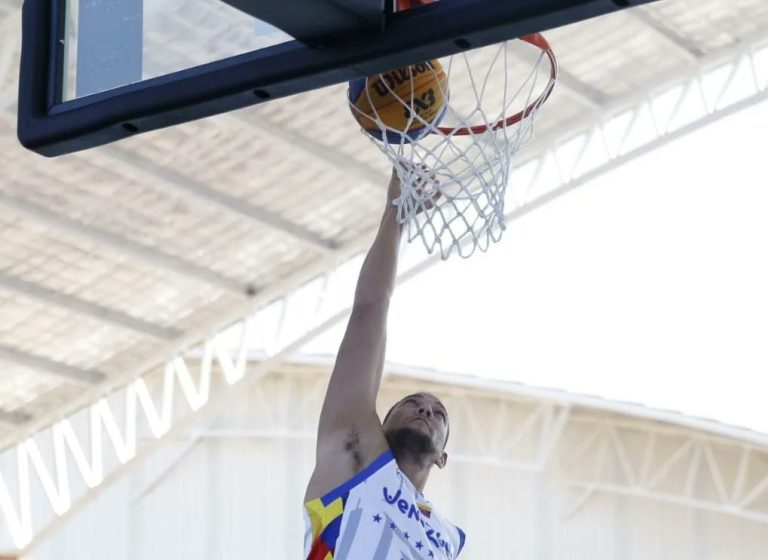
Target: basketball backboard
(94, 72)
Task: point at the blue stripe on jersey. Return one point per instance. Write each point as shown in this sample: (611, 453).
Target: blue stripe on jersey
(339, 491)
(331, 533)
(462, 538)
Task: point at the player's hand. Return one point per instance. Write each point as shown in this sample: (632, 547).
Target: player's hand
(394, 189)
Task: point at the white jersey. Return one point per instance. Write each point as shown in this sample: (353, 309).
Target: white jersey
(378, 515)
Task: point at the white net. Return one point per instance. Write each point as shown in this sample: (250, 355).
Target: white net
(454, 169)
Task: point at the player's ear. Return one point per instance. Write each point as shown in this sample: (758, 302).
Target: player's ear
(442, 460)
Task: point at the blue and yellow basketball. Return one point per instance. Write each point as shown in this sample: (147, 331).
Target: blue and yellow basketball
(404, 102)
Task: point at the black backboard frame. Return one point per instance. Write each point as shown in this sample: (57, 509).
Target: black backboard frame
(52, 127)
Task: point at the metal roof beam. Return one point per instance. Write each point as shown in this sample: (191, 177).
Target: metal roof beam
(58, 370)
(188, 186)
(682, 45)
(253, 121)
(93, 234)
(588, 95)
(15, 418)
(81, 307)
(328, 157)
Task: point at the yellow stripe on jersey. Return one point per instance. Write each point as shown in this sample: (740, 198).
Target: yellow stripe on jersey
(320, 516)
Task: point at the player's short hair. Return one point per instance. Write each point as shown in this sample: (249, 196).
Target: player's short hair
(386, 416)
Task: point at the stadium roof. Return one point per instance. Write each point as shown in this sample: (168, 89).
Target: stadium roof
(115, 259)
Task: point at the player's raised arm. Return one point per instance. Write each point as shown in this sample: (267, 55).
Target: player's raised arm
(350, 433)
(351, 397)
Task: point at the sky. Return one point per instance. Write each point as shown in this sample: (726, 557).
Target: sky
(647, 285)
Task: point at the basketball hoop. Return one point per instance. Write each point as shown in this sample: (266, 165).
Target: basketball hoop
(454, 175)
(537, 40)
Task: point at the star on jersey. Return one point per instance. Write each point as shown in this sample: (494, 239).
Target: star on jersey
(377, 518)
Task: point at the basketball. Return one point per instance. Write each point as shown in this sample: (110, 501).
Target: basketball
(402, 102)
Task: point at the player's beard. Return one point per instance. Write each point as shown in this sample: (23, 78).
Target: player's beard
(411, 445)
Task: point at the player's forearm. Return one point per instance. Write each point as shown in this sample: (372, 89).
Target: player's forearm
(379, 271)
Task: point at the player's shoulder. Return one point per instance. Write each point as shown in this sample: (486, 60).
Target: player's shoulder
(343, 456)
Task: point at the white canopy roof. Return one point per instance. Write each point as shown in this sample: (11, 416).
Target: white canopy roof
(114, 259)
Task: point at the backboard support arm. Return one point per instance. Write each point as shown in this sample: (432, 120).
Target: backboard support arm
(312, 21)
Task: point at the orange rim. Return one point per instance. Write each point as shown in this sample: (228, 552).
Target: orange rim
(537, 40)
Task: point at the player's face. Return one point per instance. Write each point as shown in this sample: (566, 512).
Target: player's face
(423, 413)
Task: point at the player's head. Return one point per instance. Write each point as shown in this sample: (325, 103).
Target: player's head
(418, 426)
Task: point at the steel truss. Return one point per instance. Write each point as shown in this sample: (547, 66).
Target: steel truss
(670, 465)
(102, 442)
(716, 87)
